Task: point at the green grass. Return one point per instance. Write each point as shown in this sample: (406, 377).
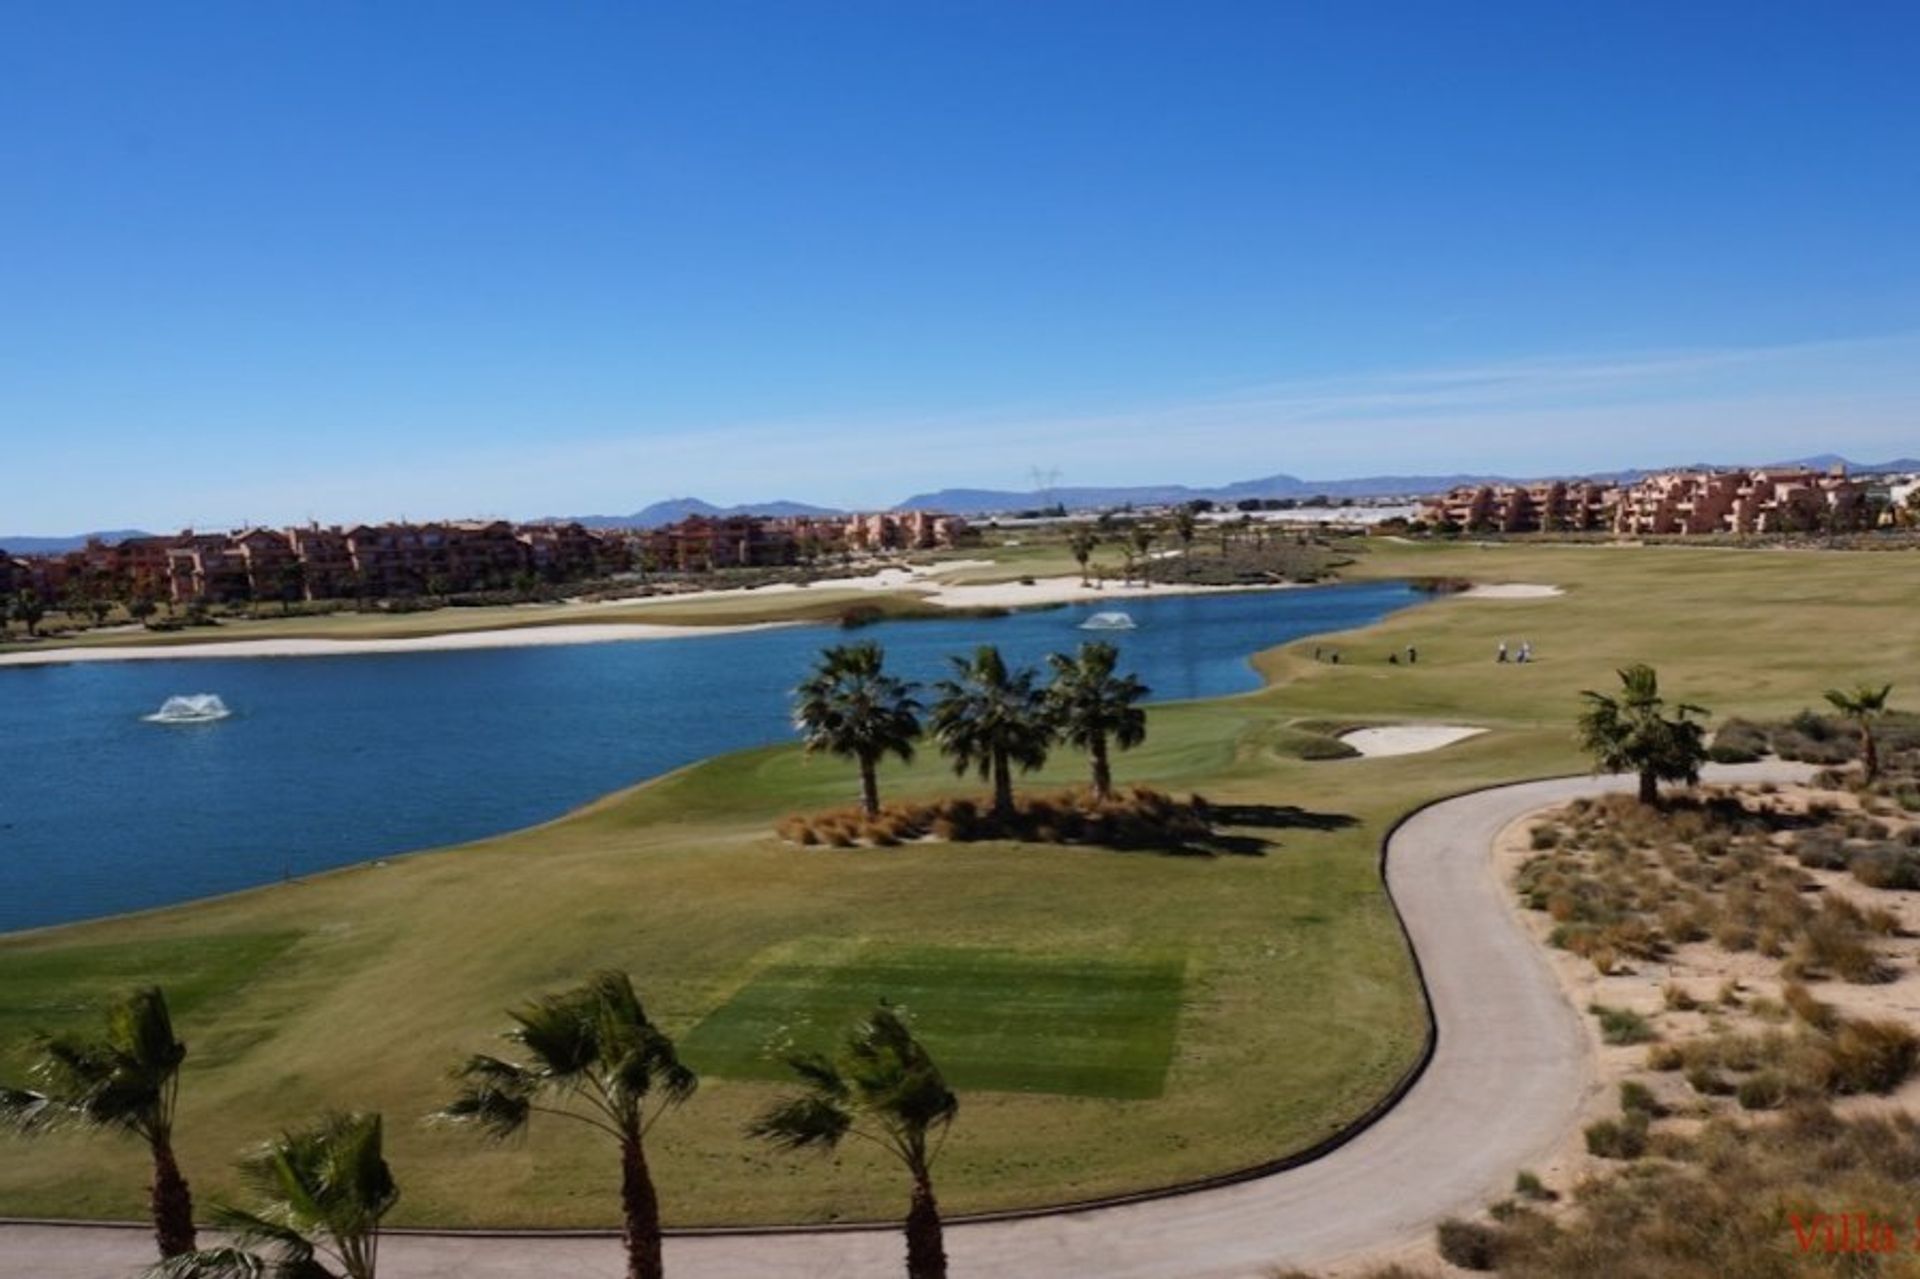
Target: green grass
(1298, 1007)
(60, 990)
(1005, 1021)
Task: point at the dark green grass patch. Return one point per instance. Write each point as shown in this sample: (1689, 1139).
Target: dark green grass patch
(997, 1020)
(65, 989)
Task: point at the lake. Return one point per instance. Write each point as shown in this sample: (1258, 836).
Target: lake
(327, 761)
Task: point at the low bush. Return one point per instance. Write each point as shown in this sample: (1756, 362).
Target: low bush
(1638, 1099)
(1622, 1025)
(1469, 1245)
(1529, 1186)
(1886, 865)
(1717, 1205)
(1764, 1090)
(1872, 1056)
(1677, 998)
(1738, 741)
(1800, 1000)
(1624, 1138)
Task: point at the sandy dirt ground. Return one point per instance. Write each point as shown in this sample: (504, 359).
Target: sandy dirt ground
(1511, 591)
(1703, 970)
(1407, 739)
(925, 583)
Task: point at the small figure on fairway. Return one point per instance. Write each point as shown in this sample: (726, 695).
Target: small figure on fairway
(1413, 655)
(1526, 650)
(1500, 655)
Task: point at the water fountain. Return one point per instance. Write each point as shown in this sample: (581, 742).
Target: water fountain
(1108, 622)
(190, 708)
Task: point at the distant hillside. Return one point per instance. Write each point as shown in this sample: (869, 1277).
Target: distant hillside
(57, 545)
(676, 509)
(980, 501)
(985, 501)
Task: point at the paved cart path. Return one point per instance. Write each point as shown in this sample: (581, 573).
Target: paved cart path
(1510, 1068)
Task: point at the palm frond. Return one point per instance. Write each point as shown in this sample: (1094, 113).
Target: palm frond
(497, 1098)
(801, 1123)
(29, 1113)
(214, 1263)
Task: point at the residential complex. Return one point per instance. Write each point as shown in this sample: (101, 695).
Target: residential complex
(382, 561)
(1781, 500)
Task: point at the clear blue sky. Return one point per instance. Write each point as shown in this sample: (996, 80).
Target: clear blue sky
(353, 260)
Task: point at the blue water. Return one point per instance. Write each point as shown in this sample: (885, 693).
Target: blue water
(334, 760)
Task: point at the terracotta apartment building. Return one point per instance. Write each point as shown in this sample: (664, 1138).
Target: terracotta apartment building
(384, 561)
(1768, 500)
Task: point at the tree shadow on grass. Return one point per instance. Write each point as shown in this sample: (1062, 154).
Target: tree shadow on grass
(1240, 830)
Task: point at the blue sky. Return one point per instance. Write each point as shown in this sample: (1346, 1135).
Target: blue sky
(354, 260)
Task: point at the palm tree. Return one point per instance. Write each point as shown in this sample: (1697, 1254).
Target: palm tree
(1630, 734)
(592, 1057)
(849, 706)
(1081, 542)
(1863, 705)
(127, 1080)
(883, 1087)
(320, 1194)
(990, 719)
(1089, 704)
(28, 609)
(1143, 537)
(1185, 522)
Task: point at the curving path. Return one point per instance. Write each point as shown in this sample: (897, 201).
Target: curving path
(1510, 1068)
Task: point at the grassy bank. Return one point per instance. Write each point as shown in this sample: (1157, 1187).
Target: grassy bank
(1296, 1005)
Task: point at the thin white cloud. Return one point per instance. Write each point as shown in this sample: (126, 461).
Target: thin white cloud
(1522, 416)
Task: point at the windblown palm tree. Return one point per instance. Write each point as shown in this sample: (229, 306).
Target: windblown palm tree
(1632, 734)
(990, 719)
(319, 1197)
(1143, 537)
(1091, 706)
(127, 1080)
(1863, 705)
(884, 1087)
(1185, 523)
(849, 706)
(592, 1057)
(1081, 543)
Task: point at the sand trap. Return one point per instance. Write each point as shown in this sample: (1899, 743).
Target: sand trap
(1407, 739)
(1511, 591)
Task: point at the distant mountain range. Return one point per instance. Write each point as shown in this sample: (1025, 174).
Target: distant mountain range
(675, 509)
(986, 501)
(58, 545)
(965, 501)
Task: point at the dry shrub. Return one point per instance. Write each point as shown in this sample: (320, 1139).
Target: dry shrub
(1720, 1207)
(1139, 818)
(1624, 1138)
(1819, 1016)
(1835, 940)
(1675, 996)
(1872, 1056)
(1469, 1245)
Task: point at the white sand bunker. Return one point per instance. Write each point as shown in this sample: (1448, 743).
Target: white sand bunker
(1511, 591)
(1407, 739)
